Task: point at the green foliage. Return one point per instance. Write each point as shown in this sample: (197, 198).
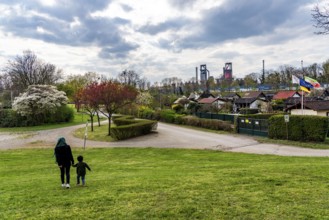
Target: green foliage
(258, 116)
(191, 121)
(247, 111)
(194, 107)
(278, 105)
(63, 114)
(168, 116)
(177, 108)
(300, 128)
(212, 124)
(10, 118)
(127, 127)
(147, 113)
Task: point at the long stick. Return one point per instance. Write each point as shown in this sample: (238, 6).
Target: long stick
(85, 139)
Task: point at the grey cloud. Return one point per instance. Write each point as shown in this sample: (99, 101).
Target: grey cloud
(126, 8)
(120, 50)
(241, 20)
(173, 24)
(101, 32)
(228, 21)
(181, 4)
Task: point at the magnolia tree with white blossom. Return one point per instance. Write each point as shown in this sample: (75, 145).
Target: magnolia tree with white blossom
(39, 100)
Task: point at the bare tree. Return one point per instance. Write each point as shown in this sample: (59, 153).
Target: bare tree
(321, 19)
(129, 77)
(28, 70)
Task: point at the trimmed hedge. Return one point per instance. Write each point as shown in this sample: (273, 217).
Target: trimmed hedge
(300, 128)
(127, 127)
(170, 116)
(258, 116)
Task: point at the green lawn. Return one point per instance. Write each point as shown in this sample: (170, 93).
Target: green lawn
(128, 183)
(100, 133)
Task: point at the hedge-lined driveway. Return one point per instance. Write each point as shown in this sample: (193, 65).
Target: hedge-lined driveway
(166, 136)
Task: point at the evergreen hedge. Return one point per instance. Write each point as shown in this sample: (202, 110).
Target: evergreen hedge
(300, 128)
(170, 116)
(127, 127)
(10, 118)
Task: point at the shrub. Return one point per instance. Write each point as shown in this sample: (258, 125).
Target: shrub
(9, 118)
(207, 123)
(246, 111)
(128, 127)
(177, 108)
(300, 128)
(191, 120)
(167, 116)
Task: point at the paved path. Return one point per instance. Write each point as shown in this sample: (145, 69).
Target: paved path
(166, 136)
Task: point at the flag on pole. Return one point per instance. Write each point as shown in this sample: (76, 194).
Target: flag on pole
(305, 89)
(295, 79)
(314, 83)
(305, 84)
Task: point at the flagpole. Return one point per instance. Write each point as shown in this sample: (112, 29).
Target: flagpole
(302, 102)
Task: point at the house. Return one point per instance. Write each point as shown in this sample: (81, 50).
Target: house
(269, 95)
(205, 95)
(231, 97)
(325, 94)
(212, 102)
(283, 95)
(193, 96)
(315, 107)
(252, 100)
(278, 101)
(292, 101)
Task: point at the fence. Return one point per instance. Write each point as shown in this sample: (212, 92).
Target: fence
(252, 126)
(223, 117)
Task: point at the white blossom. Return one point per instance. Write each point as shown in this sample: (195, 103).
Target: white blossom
(39, 99)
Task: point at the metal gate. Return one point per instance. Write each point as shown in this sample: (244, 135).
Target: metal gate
(252, 126)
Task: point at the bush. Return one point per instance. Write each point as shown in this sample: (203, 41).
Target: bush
(128, 127)
(258, 116)
(10, 118)
(246, 111)
(191, 120)
(300, 128)
(177, 108)
(167, 116)
(62, 114)
(207, 123)
(145, 112)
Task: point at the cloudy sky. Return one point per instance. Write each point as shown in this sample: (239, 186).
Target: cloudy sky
(162, 38)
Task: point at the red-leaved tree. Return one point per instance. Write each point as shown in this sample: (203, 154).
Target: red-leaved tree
(90, 99)
(115, 95)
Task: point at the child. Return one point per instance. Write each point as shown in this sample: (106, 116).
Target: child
(81, 170)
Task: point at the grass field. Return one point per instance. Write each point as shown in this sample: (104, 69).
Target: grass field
(128, 183)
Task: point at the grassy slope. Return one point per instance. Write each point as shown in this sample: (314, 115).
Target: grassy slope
(164, 184)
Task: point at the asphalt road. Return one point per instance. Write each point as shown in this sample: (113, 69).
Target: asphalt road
(166, 136)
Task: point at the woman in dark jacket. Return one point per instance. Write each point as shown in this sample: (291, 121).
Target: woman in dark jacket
(64, 159)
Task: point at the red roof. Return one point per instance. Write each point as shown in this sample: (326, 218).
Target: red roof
(207, 100)
(252, 94)
(284, 94)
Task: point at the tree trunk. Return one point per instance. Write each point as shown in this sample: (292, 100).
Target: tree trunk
(92, 122)
(98, 119)
(109, 117)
